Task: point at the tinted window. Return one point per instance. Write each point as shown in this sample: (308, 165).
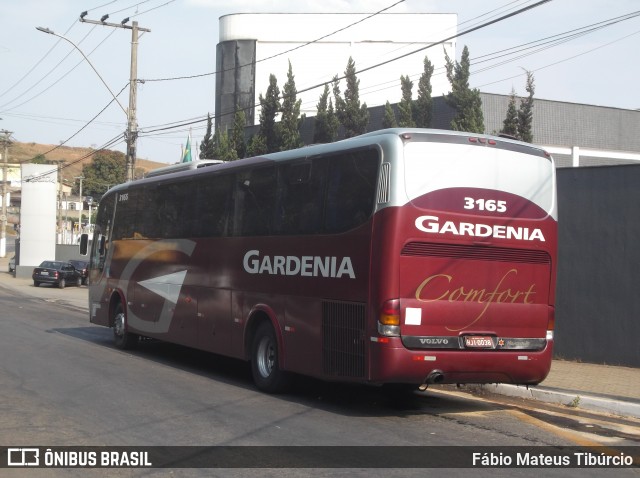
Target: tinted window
(256, 192)
(351, 187)
(301, 198)
(126, 210)
(213, 200)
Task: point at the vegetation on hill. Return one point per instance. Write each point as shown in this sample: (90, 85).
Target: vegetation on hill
(72, 160)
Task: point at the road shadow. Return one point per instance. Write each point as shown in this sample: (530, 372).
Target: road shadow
(340, 398)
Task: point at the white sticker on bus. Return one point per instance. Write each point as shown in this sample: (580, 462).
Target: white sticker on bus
(431, 224)
(413, 316)
(309, 266)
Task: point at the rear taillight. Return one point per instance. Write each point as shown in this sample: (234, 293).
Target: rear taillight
(551, 323)
(389, 318)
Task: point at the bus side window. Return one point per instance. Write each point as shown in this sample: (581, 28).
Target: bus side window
(300, 200)
(351, 189)
(256, 193)
(213, 204)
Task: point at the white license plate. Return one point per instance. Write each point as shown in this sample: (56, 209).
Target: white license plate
(478, 342)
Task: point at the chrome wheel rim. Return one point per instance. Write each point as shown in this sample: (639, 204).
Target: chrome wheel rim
(118, 324)
(266, 357)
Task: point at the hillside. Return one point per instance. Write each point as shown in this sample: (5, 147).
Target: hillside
(19, 152)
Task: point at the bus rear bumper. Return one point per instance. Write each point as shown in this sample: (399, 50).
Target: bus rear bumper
(393, 363)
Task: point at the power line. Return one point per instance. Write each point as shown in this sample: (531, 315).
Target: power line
(78, 132)
(68, 54)
(47, 54)
(566, 59)
(277, 54)
(60, 78)
(440, 42)
(472, 29)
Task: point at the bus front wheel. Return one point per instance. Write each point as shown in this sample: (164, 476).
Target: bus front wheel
(122, 338)
(265, 366)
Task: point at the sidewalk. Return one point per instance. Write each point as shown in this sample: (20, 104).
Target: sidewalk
(601, 388)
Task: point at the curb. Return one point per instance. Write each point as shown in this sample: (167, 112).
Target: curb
(572, 399)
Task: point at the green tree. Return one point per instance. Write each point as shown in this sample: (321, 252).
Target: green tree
(41, 159)
(525, 112)
(423, 106)
(208, 144)
(353, 116)
(465, 101)
(237, 135)
(257, 145)
(389, 118)
(405, 106)
(107, 169)
(291, 119)
(326, 124)
(510, 123)
(224, 150)
(269, 108)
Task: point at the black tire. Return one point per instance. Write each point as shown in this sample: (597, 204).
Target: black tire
(122, 339)
(265, 366)
(36, 283)
(62, 284)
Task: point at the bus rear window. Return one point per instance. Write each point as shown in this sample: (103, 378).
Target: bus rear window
(432, 167)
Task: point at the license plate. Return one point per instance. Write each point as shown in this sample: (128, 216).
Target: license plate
(478, 342)
(44, 273)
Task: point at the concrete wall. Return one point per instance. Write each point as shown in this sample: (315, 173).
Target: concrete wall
(598, 296)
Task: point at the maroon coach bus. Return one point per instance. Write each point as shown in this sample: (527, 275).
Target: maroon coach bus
(403, 256)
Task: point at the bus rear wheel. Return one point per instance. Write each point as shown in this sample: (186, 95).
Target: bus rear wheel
(122, 339)
(265, 366)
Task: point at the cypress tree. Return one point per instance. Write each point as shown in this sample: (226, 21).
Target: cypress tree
(423, 106)
(525, 113)
(269, 108)
(291, 120)
(224, 149)
(208, 144)
(326, 124)
(237, 135)
(389, 118)
(405, 106)
(464, 100)
(510, 123)
(353, 116)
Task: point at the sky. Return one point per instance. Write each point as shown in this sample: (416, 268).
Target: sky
(49, 93)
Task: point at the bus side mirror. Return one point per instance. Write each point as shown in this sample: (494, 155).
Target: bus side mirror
(84, 244)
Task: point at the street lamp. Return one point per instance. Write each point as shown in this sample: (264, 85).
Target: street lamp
(51, 32)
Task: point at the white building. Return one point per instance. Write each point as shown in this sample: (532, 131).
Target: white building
(252, 46)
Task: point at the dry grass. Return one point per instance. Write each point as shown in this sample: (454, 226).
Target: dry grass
(19, 152)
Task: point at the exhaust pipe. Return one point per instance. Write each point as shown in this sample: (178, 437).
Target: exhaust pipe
(436, 376)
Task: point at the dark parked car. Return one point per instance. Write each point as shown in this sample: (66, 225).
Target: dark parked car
(83, 268)
(56, 272)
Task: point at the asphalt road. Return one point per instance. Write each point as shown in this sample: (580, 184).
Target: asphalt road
(64, 384)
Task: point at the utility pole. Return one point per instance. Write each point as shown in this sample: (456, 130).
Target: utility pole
(131, 135)
(81, 205)
(3, 216)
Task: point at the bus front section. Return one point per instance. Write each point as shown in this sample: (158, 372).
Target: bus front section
(469, 256)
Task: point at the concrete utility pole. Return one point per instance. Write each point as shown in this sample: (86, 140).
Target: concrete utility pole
(132, 125)
(81, 205)
(6, 141)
